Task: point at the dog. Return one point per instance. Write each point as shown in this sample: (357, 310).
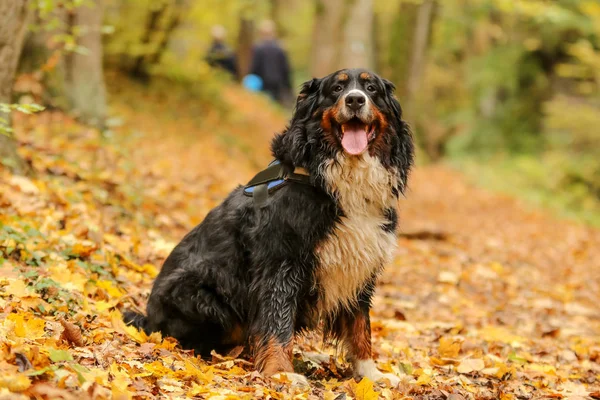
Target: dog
(309, 255)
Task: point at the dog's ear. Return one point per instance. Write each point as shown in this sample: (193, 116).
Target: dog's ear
(307, 89)
(291, 146)
(391, 100)
(307, 98)
(403, 152)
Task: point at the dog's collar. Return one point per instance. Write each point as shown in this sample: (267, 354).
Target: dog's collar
(272, 178)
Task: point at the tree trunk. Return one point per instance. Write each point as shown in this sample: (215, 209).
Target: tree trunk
(84, 75)
(174, 22)
(14, 16)
(276, 16)
(421, 42)
(140, 67)
(401, 42)
(357, 45)
(342, 36)
(245, 43)
(409, 42)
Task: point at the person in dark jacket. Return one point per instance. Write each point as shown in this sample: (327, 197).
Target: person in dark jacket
(220, 55)
(270, 63)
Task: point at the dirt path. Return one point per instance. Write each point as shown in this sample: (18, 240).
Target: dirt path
(516, 287)
(485, 299)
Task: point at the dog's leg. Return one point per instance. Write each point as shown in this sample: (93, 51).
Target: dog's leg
(353, 329)
(272, 329)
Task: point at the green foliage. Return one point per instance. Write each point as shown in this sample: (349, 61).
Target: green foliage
(51, 18)
(555, 180)
(512, 89)
(6, 109)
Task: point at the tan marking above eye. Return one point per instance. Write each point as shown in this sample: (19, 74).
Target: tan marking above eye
(343, 77)
(365, 75)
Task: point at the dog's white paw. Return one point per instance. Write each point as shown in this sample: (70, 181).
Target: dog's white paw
(315, 357)
(293, 378)
(367, 368)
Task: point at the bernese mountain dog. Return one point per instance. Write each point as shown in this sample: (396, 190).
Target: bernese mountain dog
(310, 255)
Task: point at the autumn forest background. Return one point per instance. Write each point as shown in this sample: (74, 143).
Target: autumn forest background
(117, 137)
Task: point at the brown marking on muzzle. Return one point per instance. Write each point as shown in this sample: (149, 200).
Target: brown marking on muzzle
(329, 116)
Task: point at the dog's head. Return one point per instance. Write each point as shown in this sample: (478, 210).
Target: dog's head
(352, 111)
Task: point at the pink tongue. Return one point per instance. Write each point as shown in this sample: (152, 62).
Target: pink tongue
(355, 140)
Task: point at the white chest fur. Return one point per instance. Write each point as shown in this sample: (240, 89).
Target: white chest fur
(358, 247)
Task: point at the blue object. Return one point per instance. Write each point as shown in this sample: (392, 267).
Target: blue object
(272, 184)
(252, 82)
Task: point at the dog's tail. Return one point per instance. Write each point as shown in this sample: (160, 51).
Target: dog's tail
(135, 319)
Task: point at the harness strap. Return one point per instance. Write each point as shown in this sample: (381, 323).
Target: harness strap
(271, 173)
(271, 178)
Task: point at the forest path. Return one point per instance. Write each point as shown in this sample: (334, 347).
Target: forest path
(485, 298)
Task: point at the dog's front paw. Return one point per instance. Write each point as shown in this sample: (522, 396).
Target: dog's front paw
(293, 378)
(368, 369)
(315, 357)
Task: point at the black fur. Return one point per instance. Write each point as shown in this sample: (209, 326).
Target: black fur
(247, 275)
(391, 215)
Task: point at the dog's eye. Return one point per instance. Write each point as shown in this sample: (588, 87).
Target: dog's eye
(371, 88)
(338, 88)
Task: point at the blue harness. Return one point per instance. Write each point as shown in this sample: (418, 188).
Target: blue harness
(272, 178)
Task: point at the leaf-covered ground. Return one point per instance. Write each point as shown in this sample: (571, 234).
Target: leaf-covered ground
(486, 299)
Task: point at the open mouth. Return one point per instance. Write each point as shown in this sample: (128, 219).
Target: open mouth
(356, 136)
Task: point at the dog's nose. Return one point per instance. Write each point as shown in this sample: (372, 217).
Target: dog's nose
(355, 101)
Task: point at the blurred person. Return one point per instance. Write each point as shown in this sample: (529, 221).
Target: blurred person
(270, 63)
(220, 55)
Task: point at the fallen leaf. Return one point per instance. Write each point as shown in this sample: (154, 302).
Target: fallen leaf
(24, 184)
(364, 390)
(72, 333)
(15, 383)
(470, 365)
(424, 379)
(448, 277)
(449, 347)
(45, 390)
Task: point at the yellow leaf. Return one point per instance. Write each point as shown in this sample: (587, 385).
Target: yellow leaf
(68, 280)
(15, 383)
(329, 395)
(424, 379)
(17, 288)
(504, 369)
(138, 336)
(146, 268)
(109, 287)
(449, 347)
(197, 390)
(439, 361)
(364, 390)
(102, 305)
(117, 322)
(158, 369)
(155, 337)
(84, 248)
(499, 334)
(30, 327)
(544, 368)
(150, 270)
